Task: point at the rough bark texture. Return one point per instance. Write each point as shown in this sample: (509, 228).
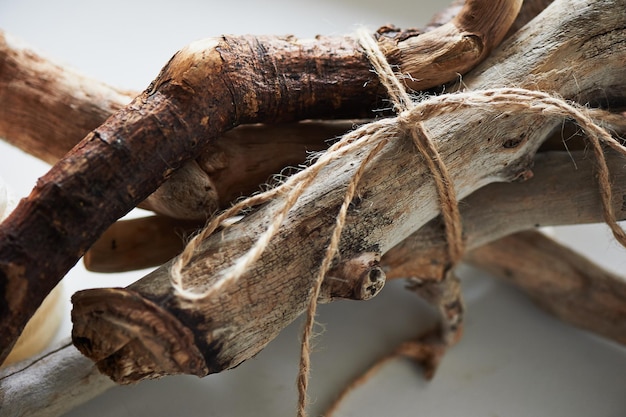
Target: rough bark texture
(494, 211)
(559, 280)
(46, 108)
(49, 108)
(233, 326)
(206, 89)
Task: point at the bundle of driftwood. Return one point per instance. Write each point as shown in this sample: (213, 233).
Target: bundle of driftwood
(225, 114)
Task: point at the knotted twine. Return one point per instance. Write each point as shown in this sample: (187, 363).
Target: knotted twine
(408, 122)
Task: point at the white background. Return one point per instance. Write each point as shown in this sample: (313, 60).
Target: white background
(513, 361)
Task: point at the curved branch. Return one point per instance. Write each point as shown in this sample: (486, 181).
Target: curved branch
(489, 214)
(206, 89)
(474, 152)
(468, 38)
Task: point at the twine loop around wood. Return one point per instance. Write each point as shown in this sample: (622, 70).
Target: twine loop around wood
(374, 136)
(413, 127)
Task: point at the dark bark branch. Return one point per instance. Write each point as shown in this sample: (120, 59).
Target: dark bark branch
(225, 329)
(494, 211)
(205, 90)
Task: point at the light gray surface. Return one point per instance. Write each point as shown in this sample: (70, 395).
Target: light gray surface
(513, 361)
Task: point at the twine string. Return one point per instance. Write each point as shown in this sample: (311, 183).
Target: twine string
(405, 106)
(395, 89)
(374, 136)
(331, 250)
(515, 100)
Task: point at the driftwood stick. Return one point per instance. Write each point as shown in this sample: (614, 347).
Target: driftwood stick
(205, 90)
(494, 211)
(560, 281)
(47, 108)
(50, 384)
(498, 210)
(213, 334)
(23, 390)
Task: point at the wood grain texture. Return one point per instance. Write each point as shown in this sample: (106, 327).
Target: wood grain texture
(50, 384)
(46, 107)
(563, 190)
(396, 198)
(206, 89)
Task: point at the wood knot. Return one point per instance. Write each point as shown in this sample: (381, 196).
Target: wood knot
(358, 278)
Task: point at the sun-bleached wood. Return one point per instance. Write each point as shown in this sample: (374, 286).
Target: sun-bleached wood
(77, 379)
(477, 148)
(204, 90)
(50, 384)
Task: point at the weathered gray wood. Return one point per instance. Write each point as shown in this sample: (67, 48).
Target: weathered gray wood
(512, 207)
(50, 384)
(562, 191)
(559, 52)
